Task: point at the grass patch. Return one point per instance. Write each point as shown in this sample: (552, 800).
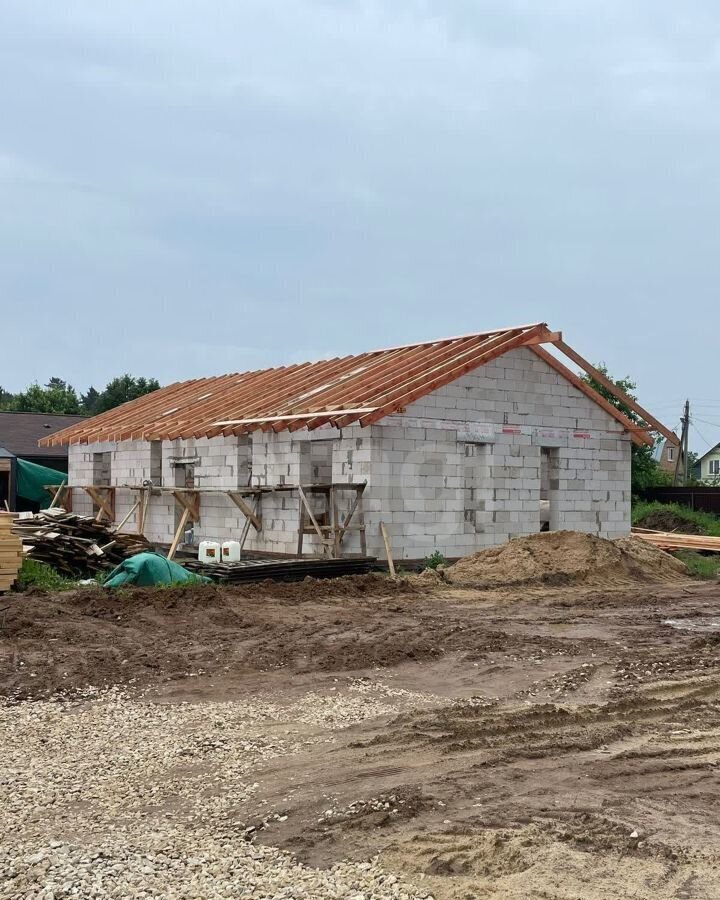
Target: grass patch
(40, 576)
(700, 566)
(702, 522)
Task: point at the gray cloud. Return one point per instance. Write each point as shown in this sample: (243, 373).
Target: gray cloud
(191, 188)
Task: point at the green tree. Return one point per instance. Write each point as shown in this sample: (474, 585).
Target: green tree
(646, 472)
(6, 398)
(56, 397)
(122, 389)
(89, 401)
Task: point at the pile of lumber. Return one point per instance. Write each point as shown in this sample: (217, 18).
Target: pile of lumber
(280, 569)
(10, 552)
(72, 544)
(674, 540)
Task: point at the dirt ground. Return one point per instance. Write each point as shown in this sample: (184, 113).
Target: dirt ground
(544, 742)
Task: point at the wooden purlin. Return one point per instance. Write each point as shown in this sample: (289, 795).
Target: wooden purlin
(154, 417)
(421, 375)
(616, 392)
(250, 403)
(413, 364)
(237, 393)
(330, 396)
(285, 398)
(428, 354)
(486, 354)
(183, 403)
(79, 432)
(320, 393)
(638, 435)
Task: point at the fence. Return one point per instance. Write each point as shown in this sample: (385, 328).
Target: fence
(706, 499)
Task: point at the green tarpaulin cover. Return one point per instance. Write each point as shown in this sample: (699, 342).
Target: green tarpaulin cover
(146, 569)
(30, 480)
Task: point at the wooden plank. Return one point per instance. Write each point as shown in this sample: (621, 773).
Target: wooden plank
(181, 527)
(388, 551)
(58, 492)
(309, 512)
(332, 502)
(301, 528)
(132, 510)
(245, 510)
(189, 501)
(351, 513)
(610, 386)
(638, 435)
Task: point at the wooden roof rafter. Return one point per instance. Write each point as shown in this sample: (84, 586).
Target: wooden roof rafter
(337, 392)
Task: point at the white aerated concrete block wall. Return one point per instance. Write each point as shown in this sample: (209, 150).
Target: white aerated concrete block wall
(461, 468)
(458, 470)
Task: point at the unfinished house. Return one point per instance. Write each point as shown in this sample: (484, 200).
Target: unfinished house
(453, 445)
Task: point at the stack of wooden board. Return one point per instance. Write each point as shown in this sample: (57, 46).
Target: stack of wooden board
(674, 540)
(73, 544)
(10, 552)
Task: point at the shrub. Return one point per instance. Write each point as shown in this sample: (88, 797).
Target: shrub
(434, 560)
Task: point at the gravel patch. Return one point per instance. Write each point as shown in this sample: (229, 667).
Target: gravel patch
(122, 797)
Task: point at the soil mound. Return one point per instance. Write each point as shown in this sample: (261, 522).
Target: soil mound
(567, 557)
(668, 520)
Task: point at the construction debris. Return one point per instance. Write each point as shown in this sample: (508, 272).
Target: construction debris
(10, 553)
(73, 544)
(670, 540)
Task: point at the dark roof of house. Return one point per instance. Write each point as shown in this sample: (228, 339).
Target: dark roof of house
(20, 432)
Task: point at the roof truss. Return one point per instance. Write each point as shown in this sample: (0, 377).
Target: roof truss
(360, 389)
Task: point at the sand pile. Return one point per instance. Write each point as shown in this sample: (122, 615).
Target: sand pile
(567, 557)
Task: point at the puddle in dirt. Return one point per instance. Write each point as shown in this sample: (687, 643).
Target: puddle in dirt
(705, 623)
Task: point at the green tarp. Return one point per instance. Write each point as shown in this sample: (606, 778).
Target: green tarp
(146, 569)
(30, 478)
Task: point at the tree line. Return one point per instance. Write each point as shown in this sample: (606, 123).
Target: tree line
(57, 396)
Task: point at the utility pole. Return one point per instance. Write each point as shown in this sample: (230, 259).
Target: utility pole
(686, 433)
(683, 447)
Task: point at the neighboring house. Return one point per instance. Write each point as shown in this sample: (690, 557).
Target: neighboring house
(707, 467)
(19, 436)
(666, 456)
(460, 443)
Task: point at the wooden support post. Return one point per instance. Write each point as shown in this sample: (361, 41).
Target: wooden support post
(248, 522)
(132, 510)
(361, 520)
(105, 501)
(332, 503)
(176, 540)
(301, 527)
(388, 551)
(145, 495)
(58, 492)
(245, 510)
(304, 502)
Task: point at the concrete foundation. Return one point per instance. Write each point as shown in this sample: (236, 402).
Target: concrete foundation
(463, 468)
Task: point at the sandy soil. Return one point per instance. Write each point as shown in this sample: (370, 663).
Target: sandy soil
(536, 743)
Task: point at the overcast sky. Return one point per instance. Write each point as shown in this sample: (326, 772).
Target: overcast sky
(190, 188)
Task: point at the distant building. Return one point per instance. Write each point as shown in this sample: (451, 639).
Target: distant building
(19, 436)
(707, 467)
(666, 456)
